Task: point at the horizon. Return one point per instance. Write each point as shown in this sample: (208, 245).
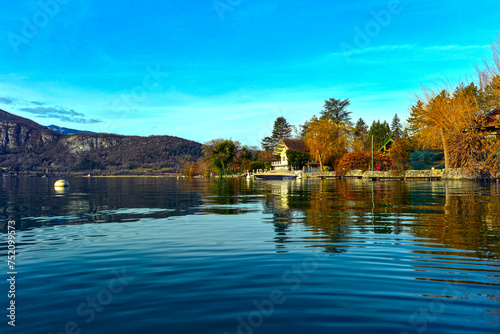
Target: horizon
(228, 69)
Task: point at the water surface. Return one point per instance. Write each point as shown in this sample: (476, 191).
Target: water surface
(166, 255)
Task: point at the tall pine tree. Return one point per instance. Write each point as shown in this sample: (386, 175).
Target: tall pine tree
(381, 132)
(281, 129)
(361, 129)
(336, 110)
(396, 128)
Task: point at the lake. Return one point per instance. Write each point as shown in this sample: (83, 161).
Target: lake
(167, 255)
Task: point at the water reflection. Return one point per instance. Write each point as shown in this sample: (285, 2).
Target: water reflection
(61, 191)
(33, 202)
(387, 249)
(458, 215)
(469, 220)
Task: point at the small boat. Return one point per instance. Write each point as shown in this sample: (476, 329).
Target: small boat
(276, 177)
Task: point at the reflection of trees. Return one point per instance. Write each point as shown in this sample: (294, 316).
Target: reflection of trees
(469, 222)
(446, 212)
(459, 215)
(325, 218)
(306, 202)
(379, 204)
(226, 196)
(221, 197)
(33, 202)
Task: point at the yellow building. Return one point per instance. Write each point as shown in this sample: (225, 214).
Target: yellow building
(283, 146)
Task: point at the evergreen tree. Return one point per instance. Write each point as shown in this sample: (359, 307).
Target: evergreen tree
(488, 97)
(268, 144)
(359, 133)
(361, 129)
(336, 110)
(396, 128)
(381, 132)
(281, 129)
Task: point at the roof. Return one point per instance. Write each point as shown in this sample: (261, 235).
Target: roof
(493, 116)
(296, 144)
(389, 142)
(491, 129)
(493, 120)
(290, 144)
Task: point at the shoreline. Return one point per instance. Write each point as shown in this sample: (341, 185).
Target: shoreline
(430, 175)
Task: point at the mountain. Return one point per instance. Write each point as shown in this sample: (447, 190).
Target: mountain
(28, 146)
(8, 117)
(66, 131)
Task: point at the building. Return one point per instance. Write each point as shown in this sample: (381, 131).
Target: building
(493, 117)
(387, 146)
(283, 146)
(493, 124)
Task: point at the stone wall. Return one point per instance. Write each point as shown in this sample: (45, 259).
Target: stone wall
(318, 175)
(445, 174)
(423, 173)
(368, 174)
(458, 174)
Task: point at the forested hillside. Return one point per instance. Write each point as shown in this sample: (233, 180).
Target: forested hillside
(28, 146)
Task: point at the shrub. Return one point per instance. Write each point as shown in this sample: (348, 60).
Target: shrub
(254, 165)
(363, 161)
(297, 159)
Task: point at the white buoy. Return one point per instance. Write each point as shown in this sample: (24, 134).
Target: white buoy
(61, 184)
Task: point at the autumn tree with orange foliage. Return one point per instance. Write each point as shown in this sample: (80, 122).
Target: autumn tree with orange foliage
(363, 161)
(490, 84)
(452, 121)
(438, 117)
(326, 139)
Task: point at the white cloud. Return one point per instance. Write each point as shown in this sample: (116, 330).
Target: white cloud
(413, 52)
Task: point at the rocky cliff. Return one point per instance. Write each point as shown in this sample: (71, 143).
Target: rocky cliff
(27, 146)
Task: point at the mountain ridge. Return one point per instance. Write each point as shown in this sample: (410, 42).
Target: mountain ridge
(66, 131)
(8, 117)
(26, 146)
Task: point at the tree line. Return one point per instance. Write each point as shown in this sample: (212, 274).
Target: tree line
(451, 119)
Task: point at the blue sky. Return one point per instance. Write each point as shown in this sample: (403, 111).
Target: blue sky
(207, 69)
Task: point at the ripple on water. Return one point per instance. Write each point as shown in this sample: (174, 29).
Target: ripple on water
(204, 257)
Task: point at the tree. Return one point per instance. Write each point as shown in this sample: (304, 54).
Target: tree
(489, 99)
(400, 152)
(360, 132)
(361, 129)
(297, 159)
(489, 95)
(220, 152)
(489, 78)
(303, 129)
(326, 139)
(336, 111)
(442, 116)
(243, 157)
(381, 133)
(281, 130)
(363, 161)
(268, 144)
(396, 127)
